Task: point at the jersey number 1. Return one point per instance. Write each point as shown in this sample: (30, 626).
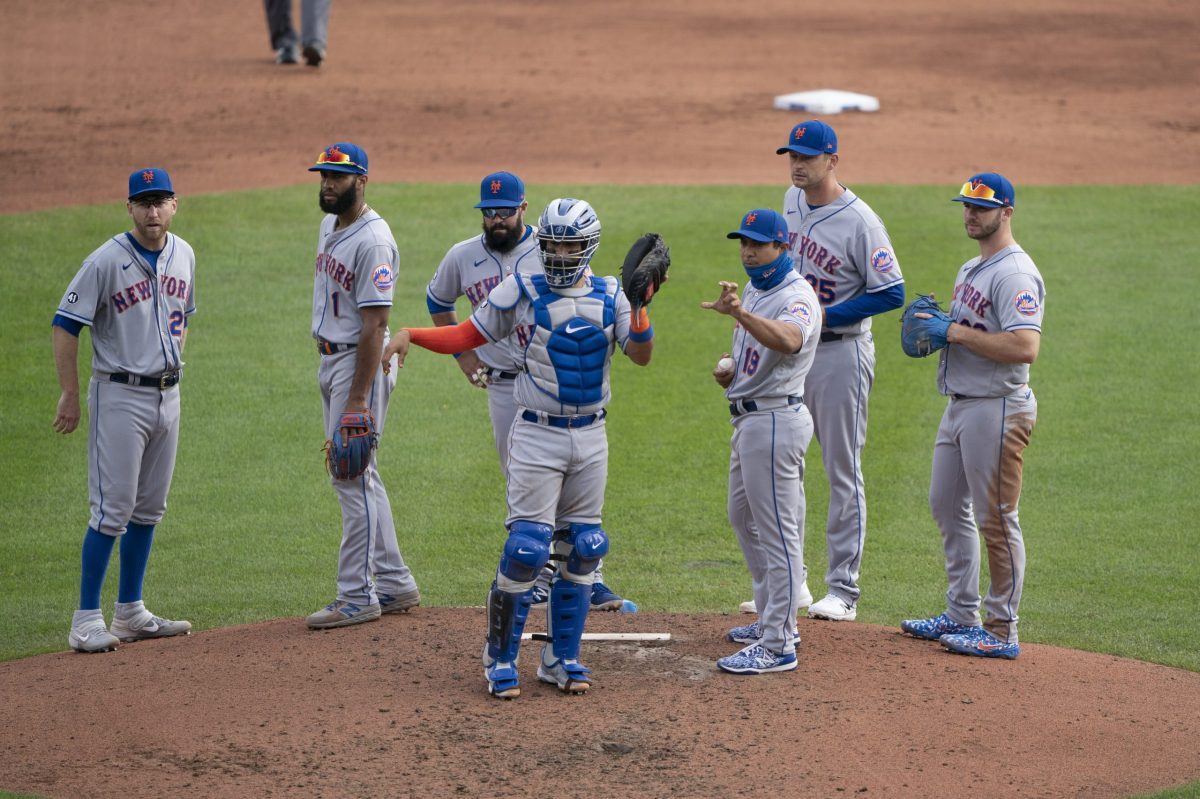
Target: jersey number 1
(336, 304)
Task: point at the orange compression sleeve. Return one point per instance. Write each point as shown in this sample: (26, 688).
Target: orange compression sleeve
(449, 339)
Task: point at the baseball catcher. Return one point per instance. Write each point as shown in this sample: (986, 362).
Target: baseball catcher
(923, 327)
(348, 453)
(645, 269)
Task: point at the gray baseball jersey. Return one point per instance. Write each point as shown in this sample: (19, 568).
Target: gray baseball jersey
(771, 432)
(842, 249)
(137, 315)
(356, 267)
(471, 269)
(1004, 292)
(557, 474)
(978, 467)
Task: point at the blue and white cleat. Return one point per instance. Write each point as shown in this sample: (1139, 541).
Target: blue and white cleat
(757, 659)
(502, 678)
(746, 634)
(935, 628)
(604, 598)
(980, 643)
(570, 676)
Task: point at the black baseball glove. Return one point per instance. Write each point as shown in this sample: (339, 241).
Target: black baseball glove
(348, 453)
(645, 269)
(921, 337)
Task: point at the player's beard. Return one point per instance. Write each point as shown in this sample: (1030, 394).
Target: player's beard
(340, 204)
(503, 239)
(986, 229)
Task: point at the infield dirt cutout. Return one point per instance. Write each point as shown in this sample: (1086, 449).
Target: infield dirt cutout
(1049, 92)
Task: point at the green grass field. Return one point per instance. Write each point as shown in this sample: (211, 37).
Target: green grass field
(252, 530)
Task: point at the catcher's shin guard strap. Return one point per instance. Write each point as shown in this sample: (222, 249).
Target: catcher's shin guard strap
(506, 621)
(566, 616)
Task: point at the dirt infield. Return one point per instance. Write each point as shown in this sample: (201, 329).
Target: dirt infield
(398, 708)
(674, 91)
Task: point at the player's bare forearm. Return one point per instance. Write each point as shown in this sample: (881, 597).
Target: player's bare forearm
(368, 355)
(639, 351)
(771, 333)
(66, 358)
(1011, 346)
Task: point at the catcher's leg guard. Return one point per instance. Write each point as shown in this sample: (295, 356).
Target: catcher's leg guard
(526, 551)
(565, 618)
(587, 543)
(507, 612)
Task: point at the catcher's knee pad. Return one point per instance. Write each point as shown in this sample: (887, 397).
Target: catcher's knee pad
(566, 615)
(506, 611)
(525, 552)
(589, 544)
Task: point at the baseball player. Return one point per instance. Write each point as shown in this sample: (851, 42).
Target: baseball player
(472, 268)
(136, 293)
(778, 319)
(567, 324)
(841, 248)
(993, 334)
(356, 268)
(314, 22)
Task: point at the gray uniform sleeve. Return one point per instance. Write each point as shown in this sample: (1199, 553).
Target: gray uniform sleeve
(375, 269)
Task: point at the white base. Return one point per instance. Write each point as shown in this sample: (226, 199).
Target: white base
(826, 101)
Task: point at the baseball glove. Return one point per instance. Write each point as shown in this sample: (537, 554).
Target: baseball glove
(645, 269)
(348, 453)
(921, 337)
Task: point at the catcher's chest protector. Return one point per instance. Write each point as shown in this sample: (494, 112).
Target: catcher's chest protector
(572, 340)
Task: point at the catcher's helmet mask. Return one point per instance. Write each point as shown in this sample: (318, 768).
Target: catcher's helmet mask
(572, 221)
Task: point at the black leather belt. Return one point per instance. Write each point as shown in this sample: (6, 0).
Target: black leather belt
(964, 397)
(496, 373)
(830, 336)
(329, 348)
(564, 421)
(161, 382)
(739, 407)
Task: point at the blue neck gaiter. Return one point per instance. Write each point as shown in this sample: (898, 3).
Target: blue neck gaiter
(768, 276)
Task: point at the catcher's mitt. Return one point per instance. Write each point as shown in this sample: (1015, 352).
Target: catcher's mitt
(921, 337)
(348, 453)
(645, 269)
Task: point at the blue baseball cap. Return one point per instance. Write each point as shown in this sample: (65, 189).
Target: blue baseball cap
(987, 190)
(501, 190)
(341, 157)
(150, 180)
(762, 224)
(810, 138)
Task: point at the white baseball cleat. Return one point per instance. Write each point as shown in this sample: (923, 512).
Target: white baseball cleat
(832, 608)
(133, 622)
(88, 633)
(806, 599)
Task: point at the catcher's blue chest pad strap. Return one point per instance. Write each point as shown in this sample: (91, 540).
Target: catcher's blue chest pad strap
(578, 347)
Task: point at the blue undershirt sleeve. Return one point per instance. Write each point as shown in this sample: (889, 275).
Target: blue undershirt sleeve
(436, 307)
(864, 305)
(69, 325)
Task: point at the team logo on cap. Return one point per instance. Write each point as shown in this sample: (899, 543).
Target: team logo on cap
(751, 217)
(382, 277)
(1026, 303)
(800, 133)
(148, 176)
(882, 260)
(496, 186)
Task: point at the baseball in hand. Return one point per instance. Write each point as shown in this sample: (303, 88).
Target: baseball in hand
(725, 365)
